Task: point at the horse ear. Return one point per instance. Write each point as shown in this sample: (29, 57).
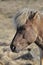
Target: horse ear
(32, 14)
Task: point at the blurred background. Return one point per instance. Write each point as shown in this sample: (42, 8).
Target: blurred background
(8, 9)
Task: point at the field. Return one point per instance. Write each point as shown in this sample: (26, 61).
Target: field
(8, 9)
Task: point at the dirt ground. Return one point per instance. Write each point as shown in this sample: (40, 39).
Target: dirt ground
(8, 9)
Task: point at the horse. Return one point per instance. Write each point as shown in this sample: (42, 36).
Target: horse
(30, 32)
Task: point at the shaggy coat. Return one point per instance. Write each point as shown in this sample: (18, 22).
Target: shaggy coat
(31, 31)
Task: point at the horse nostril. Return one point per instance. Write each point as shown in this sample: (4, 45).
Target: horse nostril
(12, 48)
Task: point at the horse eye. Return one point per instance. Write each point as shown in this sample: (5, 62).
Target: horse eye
(20, 29)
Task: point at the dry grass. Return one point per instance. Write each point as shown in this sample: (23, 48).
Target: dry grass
(8, 9)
